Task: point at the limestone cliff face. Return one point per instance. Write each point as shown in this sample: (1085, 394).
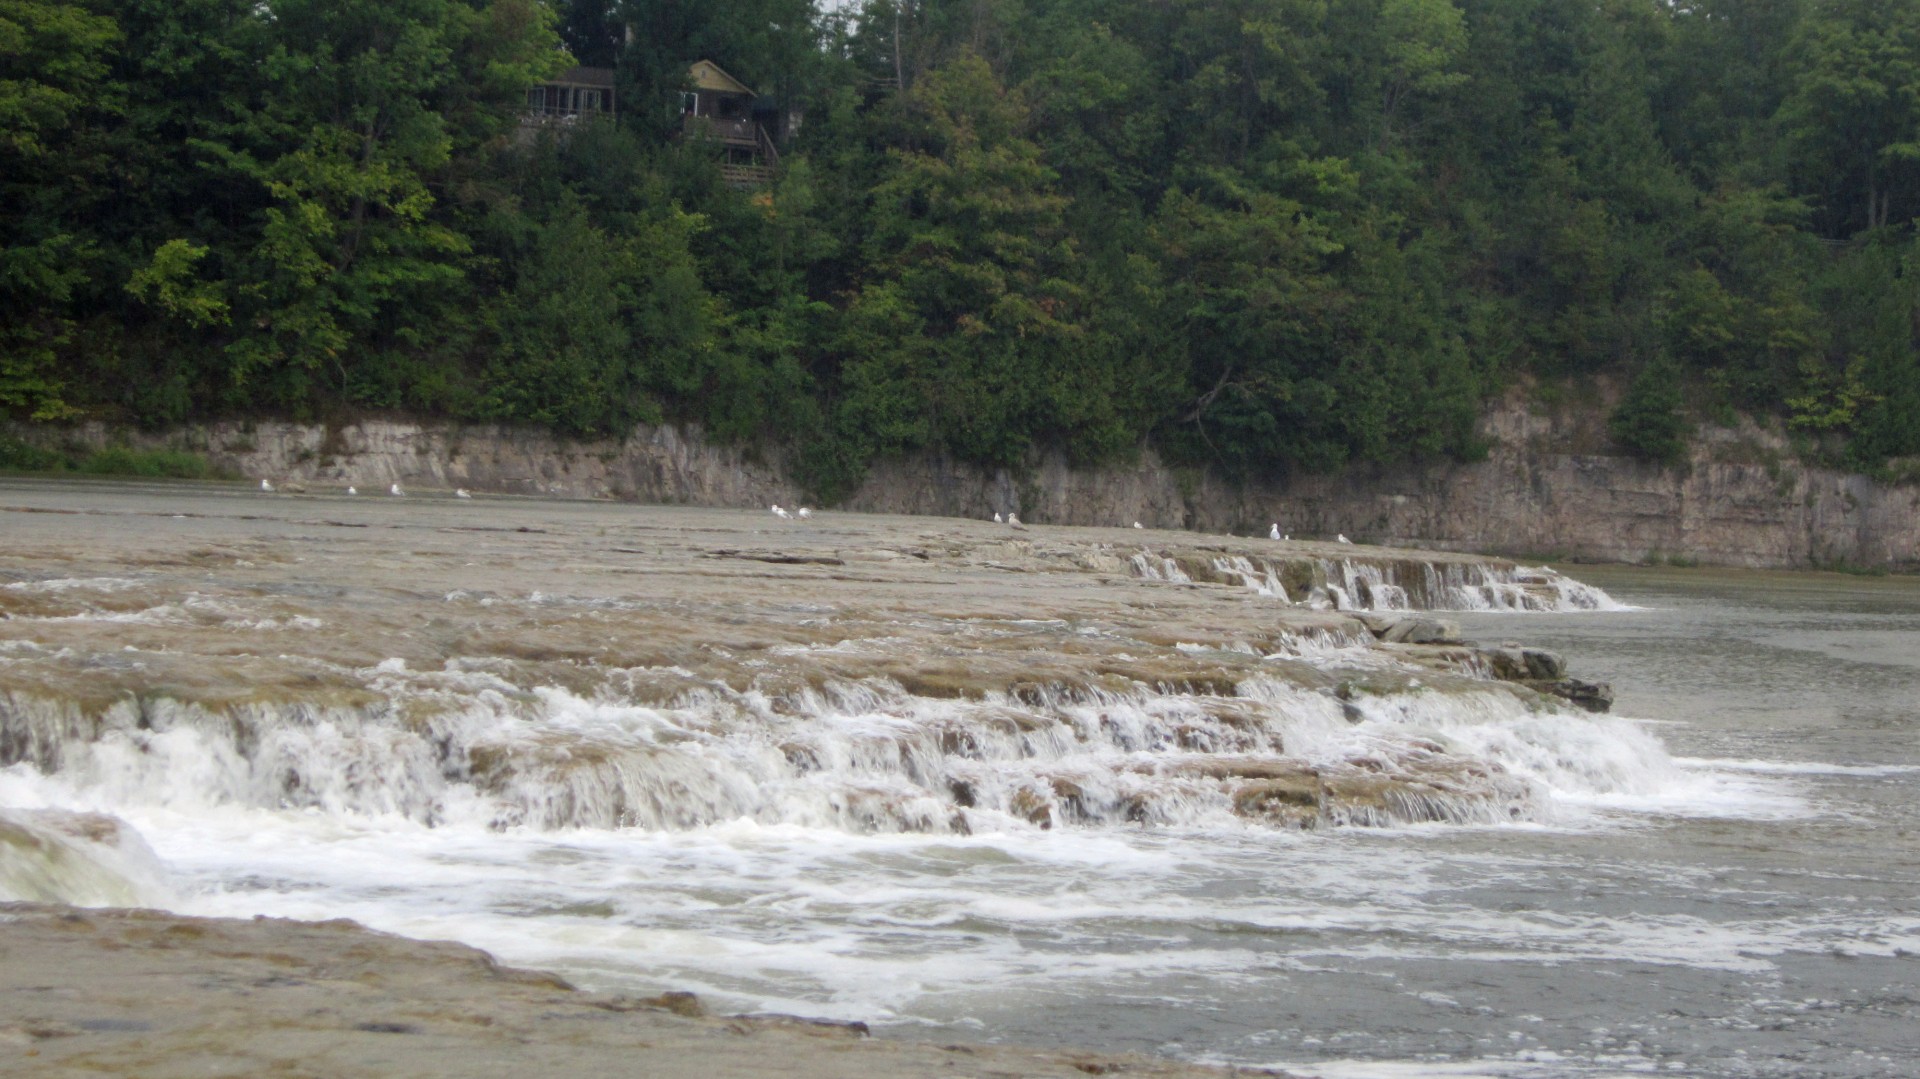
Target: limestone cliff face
(1742, 500)
(1546, 487)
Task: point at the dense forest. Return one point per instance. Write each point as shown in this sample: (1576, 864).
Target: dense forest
(1257, 235)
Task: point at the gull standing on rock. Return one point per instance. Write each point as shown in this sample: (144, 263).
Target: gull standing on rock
(267, 486)
(997, 519)
(461, 492)
(1341, 537)
(1014, 520)
(804, 512)
(396, 492)
(1274, 531)
(353, 490)
(1136, 524)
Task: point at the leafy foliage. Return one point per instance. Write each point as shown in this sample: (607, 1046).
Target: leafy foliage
(1649, 422)
(1258, 235)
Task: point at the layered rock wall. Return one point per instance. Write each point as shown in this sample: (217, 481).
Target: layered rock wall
(1545, 488)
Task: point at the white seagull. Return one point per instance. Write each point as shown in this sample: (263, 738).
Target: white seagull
(461, 492)
(1274, 531)
(804, 512)
(395, 491)
(1014, 519)
(266, 486)
(1136, 524)
(1341, 537)
(353, 490)
(780, 513)
(999, 520)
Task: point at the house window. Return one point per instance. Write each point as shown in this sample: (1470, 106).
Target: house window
(537, 97)
(690, 104)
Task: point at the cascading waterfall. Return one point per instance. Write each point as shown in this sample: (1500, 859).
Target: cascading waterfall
(199, 696)
(863, 756)
(966, 782)
(1261, 579)
(1368, 587)
(1350, 584)
(1159, 568)
(1477, 587)
(1347, 645)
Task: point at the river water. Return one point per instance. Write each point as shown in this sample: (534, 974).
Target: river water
(970, 784)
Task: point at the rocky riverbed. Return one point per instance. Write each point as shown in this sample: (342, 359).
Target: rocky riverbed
(217, 670)
(150, 994)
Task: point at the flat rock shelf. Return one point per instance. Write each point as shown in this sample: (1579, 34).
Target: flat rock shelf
(218, 699)
(145, 993)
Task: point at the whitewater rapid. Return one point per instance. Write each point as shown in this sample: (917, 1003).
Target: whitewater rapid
(1062, 788)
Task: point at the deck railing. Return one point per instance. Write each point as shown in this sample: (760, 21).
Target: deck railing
(556, 114)
(733, 132)
(746, 175)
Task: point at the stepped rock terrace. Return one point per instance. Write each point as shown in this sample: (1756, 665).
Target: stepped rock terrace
(577, 665)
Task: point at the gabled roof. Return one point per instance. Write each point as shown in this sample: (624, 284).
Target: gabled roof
(707, 75)
(585, 76)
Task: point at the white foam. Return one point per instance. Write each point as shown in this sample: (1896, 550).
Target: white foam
(1538, 1065)
(1399, 585)
(863, 755)
(909, 927)
(1796, 768)
(73, 584)
(813, 852)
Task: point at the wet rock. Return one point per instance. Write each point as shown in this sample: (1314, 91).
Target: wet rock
(1517, 663)
(780, 558)
(1099, 562)
(1423, 631)
(1377, 624)
(679, 1002)
(1592, 696)
(1293, 801)
(54, 855)
(1507, 662)
(1070, 797)
(819, 1028)
(1255, 768)
(1032, 806)
(349, 987)
(1544, 665)
(1546, 672)
(386, 1027)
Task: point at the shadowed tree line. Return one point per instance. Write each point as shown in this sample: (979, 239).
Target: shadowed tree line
(1258, 235)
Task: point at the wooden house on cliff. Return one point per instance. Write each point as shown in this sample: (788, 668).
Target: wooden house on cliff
(720, 108)
(578, 93)
(715, 108)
